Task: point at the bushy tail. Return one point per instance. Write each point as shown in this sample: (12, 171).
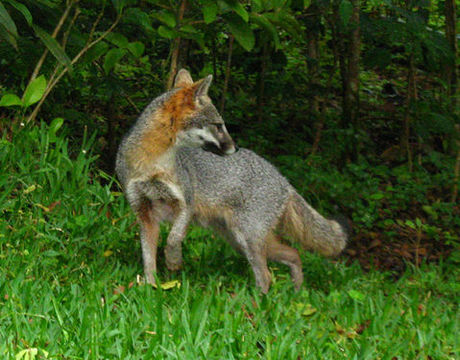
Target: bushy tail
(302, 223)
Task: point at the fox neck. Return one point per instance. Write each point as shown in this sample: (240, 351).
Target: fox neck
(157, 152)
(158, 146)
(167, 159)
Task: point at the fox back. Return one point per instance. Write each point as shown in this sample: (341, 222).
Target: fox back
(247, 195)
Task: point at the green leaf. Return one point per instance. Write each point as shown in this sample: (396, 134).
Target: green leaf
(51, 253)
(111, 58)
(167, 32)
(169, 285)
(210, 11)
(410, 224)
(257, 6)
(345, 11)
(138, 17)
(53, 46)
(377, 196)
(242, 31)
(285, 21)
(166, 17)
(8, 37)
(30, 189)
(34, 91)
(188, 29)
(263, 22)
(308, 310)
(119, 5)
(356, 295)
(278, 4)
(430, 211)
(236, 6)
(27, 354)
(7, 21)
(304, 309)
(95, 52)
(136, 48)
(380, 58)
(10, 100)
(117, 39)
(23, 10)
(199, 38)
(56, 125)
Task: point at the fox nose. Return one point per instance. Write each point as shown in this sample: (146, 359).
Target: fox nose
(230, 150)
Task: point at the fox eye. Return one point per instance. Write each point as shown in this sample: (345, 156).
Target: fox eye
(219, 128)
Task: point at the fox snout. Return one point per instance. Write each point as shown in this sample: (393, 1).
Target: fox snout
(223, 143)
(229, 148)
(222, 148)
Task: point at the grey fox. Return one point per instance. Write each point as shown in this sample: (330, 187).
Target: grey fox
(168, 174)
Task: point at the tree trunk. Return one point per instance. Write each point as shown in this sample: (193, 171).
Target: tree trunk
(176, 48)
(214, 58)
(339, 39)
(111, 141)
(227, 73)
(349, 45)
(457, 166)
(354, 54)
(410, 98)
(261, 92)
(450, 8)
(451, 34)
(313, 32)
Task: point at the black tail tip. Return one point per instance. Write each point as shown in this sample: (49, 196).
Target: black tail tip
(345, 223)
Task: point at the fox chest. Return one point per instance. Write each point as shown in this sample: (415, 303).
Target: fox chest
(161, 189)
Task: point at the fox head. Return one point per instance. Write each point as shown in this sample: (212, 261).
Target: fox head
(195, 118)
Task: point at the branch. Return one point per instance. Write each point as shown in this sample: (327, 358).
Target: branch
(176, 47)
(96, 22)
(132, 103)
(72, 22)
(55, 79)
(53, 35)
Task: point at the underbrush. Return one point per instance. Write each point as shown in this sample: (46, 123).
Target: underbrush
(70, 256)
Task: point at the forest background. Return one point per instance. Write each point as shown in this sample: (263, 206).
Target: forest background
(355, 101)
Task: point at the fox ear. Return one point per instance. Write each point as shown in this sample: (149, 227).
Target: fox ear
(183, 78)
(202, 86)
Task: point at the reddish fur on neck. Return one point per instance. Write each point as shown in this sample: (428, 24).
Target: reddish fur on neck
(165, 124)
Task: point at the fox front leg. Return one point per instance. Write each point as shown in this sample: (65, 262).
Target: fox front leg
(150, 230)
(141, 195)
(173, 250)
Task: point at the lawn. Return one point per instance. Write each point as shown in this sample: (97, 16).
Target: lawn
(70, 260)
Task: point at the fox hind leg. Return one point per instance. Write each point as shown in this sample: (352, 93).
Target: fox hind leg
(173, 250)
(276, 251)
(256, 254)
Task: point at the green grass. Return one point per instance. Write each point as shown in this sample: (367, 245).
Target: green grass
(69, 252)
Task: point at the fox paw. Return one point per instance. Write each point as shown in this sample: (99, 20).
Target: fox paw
(149, 279)
(173, 258)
